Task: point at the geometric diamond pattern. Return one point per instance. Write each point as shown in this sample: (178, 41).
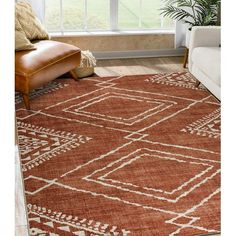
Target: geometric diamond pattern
(114, 174)
(39, 144)
(28, 144)
(209, 125)
(179, 79)
(127, 155)
(148, 107)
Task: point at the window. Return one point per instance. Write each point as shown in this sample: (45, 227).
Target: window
(104, 15)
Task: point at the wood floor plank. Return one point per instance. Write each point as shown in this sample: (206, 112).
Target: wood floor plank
(139, 66)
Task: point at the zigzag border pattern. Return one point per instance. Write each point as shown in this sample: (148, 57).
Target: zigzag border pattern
(189, 82)
(74, 221)
(197, 126)
(73, 141)
(50, 87)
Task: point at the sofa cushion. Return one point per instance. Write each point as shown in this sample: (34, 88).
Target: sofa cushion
(207, 59)
(29, 22)
(21, 42)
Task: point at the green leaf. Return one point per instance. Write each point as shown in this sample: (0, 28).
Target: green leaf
(193, 12)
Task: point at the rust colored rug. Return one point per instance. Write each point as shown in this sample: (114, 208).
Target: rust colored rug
(121, 156)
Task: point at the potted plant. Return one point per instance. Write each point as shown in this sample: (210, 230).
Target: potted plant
(192, 12)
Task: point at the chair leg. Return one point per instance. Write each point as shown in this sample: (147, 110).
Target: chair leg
(26, 101)
(185, 57)
(73, 74)
(197, 83)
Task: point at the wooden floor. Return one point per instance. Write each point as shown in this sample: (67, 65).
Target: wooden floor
(139, 66)
(104, 68)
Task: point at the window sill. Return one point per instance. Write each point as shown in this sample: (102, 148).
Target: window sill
(111, 33)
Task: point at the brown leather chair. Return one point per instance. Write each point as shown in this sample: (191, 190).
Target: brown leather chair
(50, 60)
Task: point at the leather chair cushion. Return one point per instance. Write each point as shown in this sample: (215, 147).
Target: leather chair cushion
(50, 60)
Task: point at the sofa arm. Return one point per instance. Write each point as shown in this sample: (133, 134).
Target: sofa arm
(204, 36)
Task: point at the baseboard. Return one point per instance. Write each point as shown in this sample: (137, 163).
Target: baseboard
(139, 53)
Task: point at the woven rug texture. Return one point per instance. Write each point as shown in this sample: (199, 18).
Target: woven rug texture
(121, 156)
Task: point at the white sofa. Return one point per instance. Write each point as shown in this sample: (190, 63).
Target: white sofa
(204, 57)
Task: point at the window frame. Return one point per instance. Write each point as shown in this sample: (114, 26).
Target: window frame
(114, 23)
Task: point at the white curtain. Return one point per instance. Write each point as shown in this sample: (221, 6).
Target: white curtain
(38, 6)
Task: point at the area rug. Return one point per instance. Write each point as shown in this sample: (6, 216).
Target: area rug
(129, 155)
